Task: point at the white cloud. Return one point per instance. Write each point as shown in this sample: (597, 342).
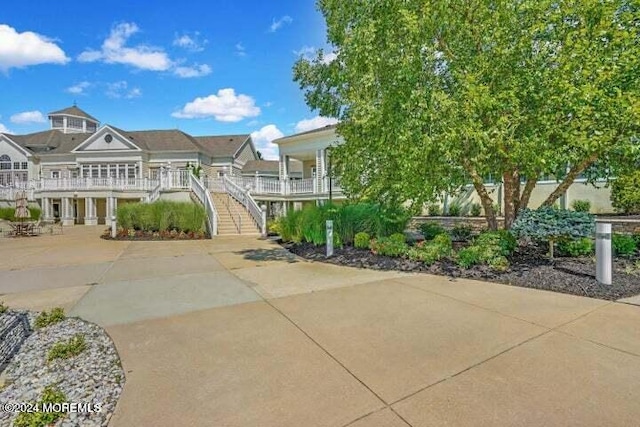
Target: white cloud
(4, 129)
(309, 53)
(193, 71)
(23, 49)
(114, 51)
(263, 140)
(28, 117)
(276, 25)
(79, 88)
(240, 50)
(226, 106)
(314, 123)
(191, 43)
(121, 89)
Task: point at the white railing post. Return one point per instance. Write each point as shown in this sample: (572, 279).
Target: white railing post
(264, 221)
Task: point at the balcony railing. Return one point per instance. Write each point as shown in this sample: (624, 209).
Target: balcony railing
(273, 186)
(174, 180)
(94, 184)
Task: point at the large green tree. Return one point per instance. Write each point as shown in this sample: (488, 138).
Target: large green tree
(433, 95)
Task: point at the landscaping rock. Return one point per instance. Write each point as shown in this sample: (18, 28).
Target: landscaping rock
(95, 376)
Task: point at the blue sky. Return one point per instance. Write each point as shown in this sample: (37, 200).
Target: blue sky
(204, 67)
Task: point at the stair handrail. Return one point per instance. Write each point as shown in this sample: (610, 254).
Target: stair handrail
(243, 196)
(237, 213)
(154, 194)
(205, 198)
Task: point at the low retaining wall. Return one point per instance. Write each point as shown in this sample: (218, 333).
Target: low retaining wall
(619, 225)
(14, 329)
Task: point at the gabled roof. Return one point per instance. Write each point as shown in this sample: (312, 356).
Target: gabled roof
(270, 166)
(161, 140)
(322, 129)
(222, 146)
(53, 141)
(74, 111)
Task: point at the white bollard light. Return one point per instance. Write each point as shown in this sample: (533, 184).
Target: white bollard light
(603, 253)
(329, 238)
(113, 227)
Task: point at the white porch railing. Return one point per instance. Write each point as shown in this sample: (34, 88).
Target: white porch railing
(9, 193)
(302, 186)
(273, 186)
(94, 184)
(205, 198)
(243, 196)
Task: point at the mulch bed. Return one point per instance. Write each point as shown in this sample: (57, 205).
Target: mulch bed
(530, 268)
(151, 236)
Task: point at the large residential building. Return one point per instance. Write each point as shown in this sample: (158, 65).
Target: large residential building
(78, 171)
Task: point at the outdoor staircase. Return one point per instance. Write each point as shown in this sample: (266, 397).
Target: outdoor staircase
(233, 218)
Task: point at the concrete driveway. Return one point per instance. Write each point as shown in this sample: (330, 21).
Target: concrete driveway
(237, 332)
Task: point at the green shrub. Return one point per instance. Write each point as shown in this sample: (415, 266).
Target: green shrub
(581, 205)
(348, 220)
(625, 193)
(3, 307)
(430, 252)
(636, 237)
(455, 209)
(431, 229)
(273, 226)
(45, 318)
(576, 247)
(66, 349)
(476, 209)
(361, 240)
(51, 395)
(491, 248)
(353, 218)
(391, 220)
(468, 257)
(393, 245)
(290, 226)
(553, 225)
(461, 233)
(623, 245)
(434, 209)
(162, 216)
(8, 214)
(501, 239)
(499, 263)
(496, 208)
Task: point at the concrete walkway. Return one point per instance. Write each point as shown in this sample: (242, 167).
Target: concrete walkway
(237, 332)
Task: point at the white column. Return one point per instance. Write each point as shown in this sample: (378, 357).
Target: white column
(284, 174)
(320, 171)
(46, 209)
(90, 217)
(67, 211)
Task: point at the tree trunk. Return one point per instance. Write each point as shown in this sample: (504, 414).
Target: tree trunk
(485, 198)
(569, 179)
(526, 193)
(511, 180)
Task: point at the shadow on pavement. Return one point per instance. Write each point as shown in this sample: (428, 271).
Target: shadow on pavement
(268, 255)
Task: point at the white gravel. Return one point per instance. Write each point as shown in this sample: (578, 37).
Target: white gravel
(93, 377)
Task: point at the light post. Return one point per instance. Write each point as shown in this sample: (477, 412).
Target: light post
(329, 175)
